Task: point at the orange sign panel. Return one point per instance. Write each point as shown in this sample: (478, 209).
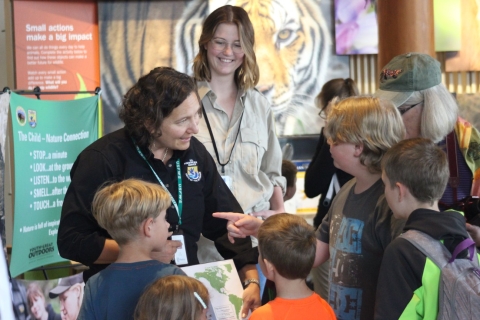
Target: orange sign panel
(56, 45)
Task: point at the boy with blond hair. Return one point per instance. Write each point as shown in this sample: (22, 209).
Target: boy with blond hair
(287, 245)
(359, 225)
(133, 213)
(415, 173)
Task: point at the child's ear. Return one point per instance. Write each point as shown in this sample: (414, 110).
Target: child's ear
(269, 268)
(402, 191)
(147, 228)
(358, 150)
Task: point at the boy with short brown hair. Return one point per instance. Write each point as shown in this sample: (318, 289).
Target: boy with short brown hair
(287, 245)
(415, 173)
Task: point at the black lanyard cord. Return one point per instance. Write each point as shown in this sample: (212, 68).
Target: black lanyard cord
(213, 139)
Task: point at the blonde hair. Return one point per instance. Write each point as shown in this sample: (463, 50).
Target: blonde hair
(79, 287)
(289, 243)
(368, 121)
(440, 112)
(248, 74)
(172, 298)
(121, 207)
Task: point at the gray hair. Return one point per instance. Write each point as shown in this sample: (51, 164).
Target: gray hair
(440, 112)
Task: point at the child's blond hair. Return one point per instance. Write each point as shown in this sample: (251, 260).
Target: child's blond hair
(121, 207)
(374, 123)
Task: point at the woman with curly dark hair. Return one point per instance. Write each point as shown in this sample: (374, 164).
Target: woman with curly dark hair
(161, 114)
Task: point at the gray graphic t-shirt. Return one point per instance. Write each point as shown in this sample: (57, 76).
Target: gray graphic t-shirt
(358, 228)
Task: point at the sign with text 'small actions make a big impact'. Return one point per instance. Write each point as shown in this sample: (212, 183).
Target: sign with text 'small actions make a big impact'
(56, 46)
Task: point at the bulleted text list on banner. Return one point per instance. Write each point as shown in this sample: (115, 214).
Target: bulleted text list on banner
(47, 138)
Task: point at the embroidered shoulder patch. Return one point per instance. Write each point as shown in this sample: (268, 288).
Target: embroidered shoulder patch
(192, 171)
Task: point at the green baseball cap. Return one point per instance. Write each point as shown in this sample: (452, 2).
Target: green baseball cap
(408, 73)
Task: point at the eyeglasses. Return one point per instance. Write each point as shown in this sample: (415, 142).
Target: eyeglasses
(322, 114)
(404, 110)
(221, 45)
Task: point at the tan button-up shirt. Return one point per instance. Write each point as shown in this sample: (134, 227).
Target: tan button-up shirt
(256, 161)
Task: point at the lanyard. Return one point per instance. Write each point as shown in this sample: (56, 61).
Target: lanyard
(213, 139)
(179, 181)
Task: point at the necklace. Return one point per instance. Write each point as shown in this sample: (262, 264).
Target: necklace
(164, 155)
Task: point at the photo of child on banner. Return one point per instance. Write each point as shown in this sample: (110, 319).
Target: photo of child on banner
(58, 299)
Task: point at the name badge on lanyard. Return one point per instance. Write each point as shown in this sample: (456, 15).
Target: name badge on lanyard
(228, 181)
(181, 253)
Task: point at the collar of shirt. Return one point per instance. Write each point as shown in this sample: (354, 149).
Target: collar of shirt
(149, 155)
(205, 89)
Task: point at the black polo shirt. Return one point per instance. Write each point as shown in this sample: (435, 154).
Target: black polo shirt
(115, 158)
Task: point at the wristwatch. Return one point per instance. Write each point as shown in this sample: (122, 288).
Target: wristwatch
(248, 281)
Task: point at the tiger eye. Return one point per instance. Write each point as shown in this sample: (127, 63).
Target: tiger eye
(284, 34)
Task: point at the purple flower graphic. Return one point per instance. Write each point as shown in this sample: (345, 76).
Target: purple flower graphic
(356, 29)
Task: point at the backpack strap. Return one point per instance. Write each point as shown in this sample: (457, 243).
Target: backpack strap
(465, 244)
(430, 247)
(436, 251)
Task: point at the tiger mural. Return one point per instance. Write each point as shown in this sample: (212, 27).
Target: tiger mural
(293, 47)
(135, 37)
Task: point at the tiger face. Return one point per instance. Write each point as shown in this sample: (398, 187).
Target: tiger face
(292, 45)
(283, 53)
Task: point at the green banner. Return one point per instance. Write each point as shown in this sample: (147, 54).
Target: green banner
(47, 138)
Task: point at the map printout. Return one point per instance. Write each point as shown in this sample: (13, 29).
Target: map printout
(224, 286)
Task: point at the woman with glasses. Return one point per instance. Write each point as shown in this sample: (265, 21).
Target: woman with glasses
(238, 127)
(412, 82)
